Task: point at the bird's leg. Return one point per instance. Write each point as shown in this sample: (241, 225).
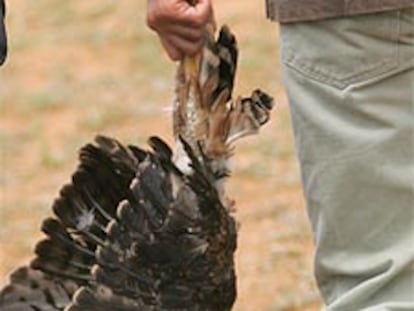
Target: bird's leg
(191, 63)
(190, 110)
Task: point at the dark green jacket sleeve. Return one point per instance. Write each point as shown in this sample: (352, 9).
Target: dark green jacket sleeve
(3, 37)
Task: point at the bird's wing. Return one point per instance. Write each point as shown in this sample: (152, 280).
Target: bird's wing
(82, 210)
(164, 249)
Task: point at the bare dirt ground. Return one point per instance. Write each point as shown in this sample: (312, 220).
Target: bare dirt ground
(78, 68)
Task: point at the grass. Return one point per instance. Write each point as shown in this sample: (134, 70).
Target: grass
(79, 68)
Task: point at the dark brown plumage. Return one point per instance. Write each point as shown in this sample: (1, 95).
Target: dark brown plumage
(151, 229)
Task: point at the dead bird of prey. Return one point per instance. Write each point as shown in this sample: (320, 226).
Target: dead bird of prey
(151, 229)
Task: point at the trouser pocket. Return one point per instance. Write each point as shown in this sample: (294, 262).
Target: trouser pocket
(344, 51)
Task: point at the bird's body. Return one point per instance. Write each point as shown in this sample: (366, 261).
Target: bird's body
(150, 229)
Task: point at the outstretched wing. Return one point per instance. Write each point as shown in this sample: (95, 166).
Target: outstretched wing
(131, 232)
(82, 211)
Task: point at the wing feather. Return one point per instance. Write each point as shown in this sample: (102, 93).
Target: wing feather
(82, 211)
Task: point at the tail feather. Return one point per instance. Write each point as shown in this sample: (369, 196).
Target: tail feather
(228, 53)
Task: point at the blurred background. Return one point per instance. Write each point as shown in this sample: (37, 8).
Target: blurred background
(77, 68)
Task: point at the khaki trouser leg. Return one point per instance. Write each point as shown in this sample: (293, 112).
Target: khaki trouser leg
(350, 84)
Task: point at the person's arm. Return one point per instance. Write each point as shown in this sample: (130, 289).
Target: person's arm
(179, 25)
(3, 37)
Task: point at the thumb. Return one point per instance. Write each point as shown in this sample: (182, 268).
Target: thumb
(201, 11)
(206, 9)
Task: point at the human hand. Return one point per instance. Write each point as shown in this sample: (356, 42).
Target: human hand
(179, 25)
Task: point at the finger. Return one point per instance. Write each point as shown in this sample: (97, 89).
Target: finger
(186, 47)
(196, 16)
(172, 51)
(186, 32)
(204, 10)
